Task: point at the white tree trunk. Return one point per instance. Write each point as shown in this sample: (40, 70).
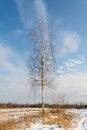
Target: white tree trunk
(42, 86)
(43, 99)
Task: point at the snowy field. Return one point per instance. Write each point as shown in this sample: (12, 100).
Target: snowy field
(79, 123)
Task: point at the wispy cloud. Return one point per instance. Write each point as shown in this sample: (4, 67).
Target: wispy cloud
(70, 42)
(74, 63)
(24, 8)
(9, 60)
(71, 65)
(38, 13)
(73, 85)
(13, 77)
(42, 17)
(13, 87)
(40, 10)
(62, 51)
(60, 70)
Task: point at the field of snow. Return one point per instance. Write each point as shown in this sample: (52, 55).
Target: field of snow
(79, 123)
(44, 127)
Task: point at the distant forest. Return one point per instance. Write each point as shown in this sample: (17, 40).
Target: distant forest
(39, 105)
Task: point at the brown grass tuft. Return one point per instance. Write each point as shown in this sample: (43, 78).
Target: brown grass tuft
(21, 123)
(8, 125)
(57, 116)
(57, 110)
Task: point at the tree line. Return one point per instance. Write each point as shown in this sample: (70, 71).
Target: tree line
(39, 105)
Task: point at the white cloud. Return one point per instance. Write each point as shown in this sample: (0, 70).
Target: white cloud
(20, 9)
(63, 51)
(79, 60)
(60, 70)
(70, 64)
(13, 87)
(29, 10)
(24, 8)
(13, 76)
(70, 42)
(41, 10)
(9, 60)
(72, 85)
(73, 64)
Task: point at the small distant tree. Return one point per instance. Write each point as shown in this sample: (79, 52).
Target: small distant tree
(60, 100)
(41, 62)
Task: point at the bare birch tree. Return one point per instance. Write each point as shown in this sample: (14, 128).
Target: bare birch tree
(42, 61)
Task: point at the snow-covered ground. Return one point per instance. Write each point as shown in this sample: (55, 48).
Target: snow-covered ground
(44, 127)
(79, 123)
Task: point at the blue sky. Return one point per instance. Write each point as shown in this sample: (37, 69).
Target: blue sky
(67, 21)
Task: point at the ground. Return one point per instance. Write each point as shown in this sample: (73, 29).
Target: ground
(27, 119)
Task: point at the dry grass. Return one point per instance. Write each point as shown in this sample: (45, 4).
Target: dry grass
(8, 125)
(64, 121)
(57, 116)
(27, 119)
(53, 116)
(44, 117)
(20, 124)
(57, 110)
